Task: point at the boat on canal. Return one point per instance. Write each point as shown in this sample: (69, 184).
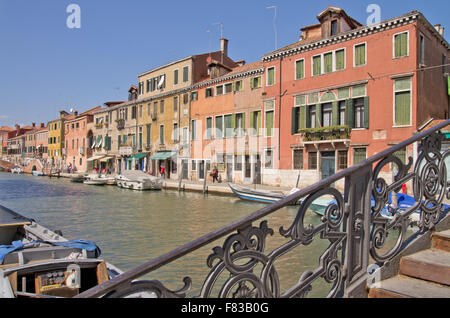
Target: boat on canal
(95, 180)
(261, 196)
(37, 173)
(77, 178)
(17, 170)
(36, 262)
(138, 180)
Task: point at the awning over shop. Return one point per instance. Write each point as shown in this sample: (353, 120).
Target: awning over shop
(106, 159)
(138, 156)
(95, 158)
(163, 155)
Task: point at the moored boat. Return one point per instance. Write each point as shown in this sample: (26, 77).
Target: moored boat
(17, 170)
(38, 263)
(260, 196)
(94, 180)
(138, 180)
(37, 173)
(77, 179)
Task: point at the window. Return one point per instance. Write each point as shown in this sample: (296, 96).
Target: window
(194, 129)
(255, 122)
(161, 134)
(185, 135)
(219, 90)
(238, 86)
(300, 69)
(401, 45)
(401, 154)
(334, 27)
(228, 88)
(328, 62)
(359, 113)
(340, 59)
(360, 55)
(185, 74)
(175, 77)
(327, 115)
(342, 159)
(359, 155)
(237, 163)
(141, 88)
(209, 92)
(312, 161)
(228, 126)
(149, 129)
(342, 108)
(421, 49)
(317, 65)
(175, 104)
(239, 124)
(269, 107)
(140, 112)
(161, 107)
(268, 159)
(219, 127)
(271, 76)
(255, 82)
(175, 132)
(312, 119)
(208, 128)
(298, 159)
(194, 165)
(194, 96)
(402, 111)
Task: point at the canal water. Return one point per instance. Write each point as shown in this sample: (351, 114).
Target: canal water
(134, 227)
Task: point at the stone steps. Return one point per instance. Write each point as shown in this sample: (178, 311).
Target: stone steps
(425, 274)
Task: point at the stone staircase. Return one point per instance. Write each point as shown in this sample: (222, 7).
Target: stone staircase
(425, 274)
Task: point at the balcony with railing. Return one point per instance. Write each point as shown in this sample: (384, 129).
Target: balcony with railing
(326, 134)
(353, 232)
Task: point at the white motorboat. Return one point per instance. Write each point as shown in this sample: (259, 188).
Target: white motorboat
(17, 170)
(138, 180)
(38, 263)
(95, 180)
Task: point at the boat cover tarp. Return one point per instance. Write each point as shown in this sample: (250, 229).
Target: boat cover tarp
(80, 244)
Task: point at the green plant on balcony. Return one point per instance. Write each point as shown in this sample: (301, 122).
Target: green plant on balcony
(326, 133)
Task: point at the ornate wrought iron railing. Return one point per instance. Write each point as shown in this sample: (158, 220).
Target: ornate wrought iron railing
(353, 225)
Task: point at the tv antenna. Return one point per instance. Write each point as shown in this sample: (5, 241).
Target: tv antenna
(275, 25)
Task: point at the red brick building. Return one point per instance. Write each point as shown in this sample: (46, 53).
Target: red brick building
(346, 91)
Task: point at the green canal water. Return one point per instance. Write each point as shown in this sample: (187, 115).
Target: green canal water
(134, 227)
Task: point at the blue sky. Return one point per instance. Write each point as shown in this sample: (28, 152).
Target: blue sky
(46, 67)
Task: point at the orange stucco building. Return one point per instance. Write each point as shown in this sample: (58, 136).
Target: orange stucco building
(345, 91)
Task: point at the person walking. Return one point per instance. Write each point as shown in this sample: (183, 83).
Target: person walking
(163, 172)
(215, 175)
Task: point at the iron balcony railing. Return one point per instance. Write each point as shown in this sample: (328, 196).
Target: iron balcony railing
(352, 226)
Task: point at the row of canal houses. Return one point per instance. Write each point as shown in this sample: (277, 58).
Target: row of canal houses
(340, 94)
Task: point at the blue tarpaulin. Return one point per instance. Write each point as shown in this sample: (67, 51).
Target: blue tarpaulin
(80, 244)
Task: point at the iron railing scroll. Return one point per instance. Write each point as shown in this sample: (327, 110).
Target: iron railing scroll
(353, 227)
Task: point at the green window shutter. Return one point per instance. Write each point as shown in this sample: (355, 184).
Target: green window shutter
(402, 108)
(243, 121)
(234, 86)
(340, 60)
(335, 113)
(366, 112)
(252, 83)
(401, 45)
(318, 115)
(252, 121)
(360, 55)
(259, 121)
(350, 113)
(328, 62)
(294, 122)
(259, 81)
(269, 123)
(300, 69)
(302, 117)
(317, 65)
(308, 117)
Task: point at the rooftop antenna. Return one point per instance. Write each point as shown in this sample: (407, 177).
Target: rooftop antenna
(221, 33)
(210, 43)
(275, 25)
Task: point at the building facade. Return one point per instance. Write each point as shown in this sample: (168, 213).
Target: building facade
(345, 91)
(226, 125)
(56, 141)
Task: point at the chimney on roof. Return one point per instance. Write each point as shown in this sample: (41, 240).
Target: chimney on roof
(33, 124)
(440, 29)
(42, 125)
(224, 46)
(75, 113)
(17, 127)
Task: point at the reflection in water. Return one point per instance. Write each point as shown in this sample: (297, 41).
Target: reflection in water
(134, 227)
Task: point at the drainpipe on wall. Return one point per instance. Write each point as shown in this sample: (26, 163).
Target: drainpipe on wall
(279, 113)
